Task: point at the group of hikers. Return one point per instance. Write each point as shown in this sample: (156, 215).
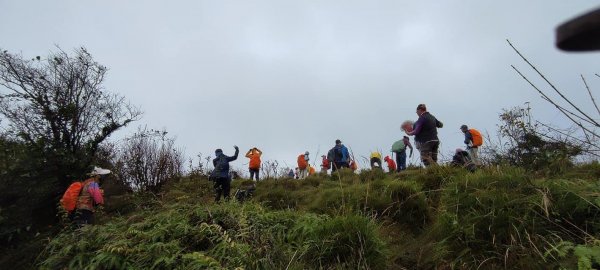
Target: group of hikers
(426, 141)
(81, 198)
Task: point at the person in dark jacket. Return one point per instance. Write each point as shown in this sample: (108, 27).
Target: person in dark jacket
(425, 132)
(339, 156)
(220, 175)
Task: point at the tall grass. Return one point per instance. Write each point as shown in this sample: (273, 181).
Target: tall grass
(437, 218)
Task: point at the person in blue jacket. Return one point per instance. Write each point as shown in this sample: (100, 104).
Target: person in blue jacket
(220, 175)
(339, 156)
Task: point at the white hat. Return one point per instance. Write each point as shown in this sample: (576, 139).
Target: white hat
(99, 171)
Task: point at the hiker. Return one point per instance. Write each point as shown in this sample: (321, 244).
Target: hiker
(311, 170)
(399, 148)
(254, 165)
(425, 132)
(296, 173)
(391, 164)
(375, 160)
(325, 164)
(220, 175)
(291, 174)
(89, 197)
(339, 156)
(303, 165)
(245, 191)
(473, 140)
(462, 159)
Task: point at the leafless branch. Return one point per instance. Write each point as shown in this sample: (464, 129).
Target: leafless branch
(553, 87)
(590, 92)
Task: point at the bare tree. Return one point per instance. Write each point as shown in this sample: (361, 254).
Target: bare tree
(59, 104)
(148, 160)
(269, 169)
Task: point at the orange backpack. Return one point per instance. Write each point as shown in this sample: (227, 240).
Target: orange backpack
(302, 164)
(353, 165)
(69, 199)
(476, 135)
(254, 162)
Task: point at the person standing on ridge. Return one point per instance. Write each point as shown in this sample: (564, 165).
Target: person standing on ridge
(473, 140)
(303, 165)
(425, 132)
(220, 174)
(399, 147)
(254, 165)
(339, 156)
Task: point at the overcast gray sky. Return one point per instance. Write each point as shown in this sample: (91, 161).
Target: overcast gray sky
(290, 76)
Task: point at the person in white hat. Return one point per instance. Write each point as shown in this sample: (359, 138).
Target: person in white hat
(91, 195)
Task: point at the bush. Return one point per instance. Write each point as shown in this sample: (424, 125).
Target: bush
(226, 236)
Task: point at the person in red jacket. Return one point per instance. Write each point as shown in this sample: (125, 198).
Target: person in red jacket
(325, 165)
(254, 165)
(391, 164)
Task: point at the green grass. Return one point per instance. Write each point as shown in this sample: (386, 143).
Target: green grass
(444, 218)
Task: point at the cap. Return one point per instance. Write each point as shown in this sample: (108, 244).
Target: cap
(218, 151)
(338, 141)
(422, 107)
(306, 153)
(464, 127)
(458, 150)
(99, 171)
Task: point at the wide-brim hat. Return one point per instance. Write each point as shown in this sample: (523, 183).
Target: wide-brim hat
(99, 171)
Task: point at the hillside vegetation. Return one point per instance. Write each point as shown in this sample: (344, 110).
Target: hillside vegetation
(436, 218)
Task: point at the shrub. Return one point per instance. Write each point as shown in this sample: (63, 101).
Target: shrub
(227, 235)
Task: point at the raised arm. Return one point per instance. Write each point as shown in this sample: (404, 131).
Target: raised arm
(235, 156)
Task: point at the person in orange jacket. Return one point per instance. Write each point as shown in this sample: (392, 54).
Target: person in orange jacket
(254, 165)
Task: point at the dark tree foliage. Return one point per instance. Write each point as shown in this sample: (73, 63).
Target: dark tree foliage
(55, 115)
(58, 104)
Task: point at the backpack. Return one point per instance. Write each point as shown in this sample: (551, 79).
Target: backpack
(221, 166)
(326, 164)
(330, 155)
(69, 199)
(302, 164)
(398, 146)
(254, 162)
(337, 154)
(477, 138)
(353, 165)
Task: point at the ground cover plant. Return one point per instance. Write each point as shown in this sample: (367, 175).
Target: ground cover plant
(437, 218)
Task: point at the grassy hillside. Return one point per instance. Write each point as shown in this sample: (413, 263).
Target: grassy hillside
(440, 218)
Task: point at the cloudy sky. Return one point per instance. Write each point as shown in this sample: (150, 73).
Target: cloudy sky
(290, 76)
